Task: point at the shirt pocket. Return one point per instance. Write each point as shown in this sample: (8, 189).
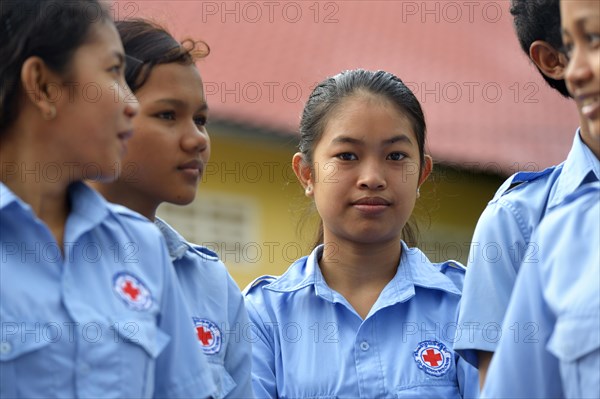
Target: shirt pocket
(575, 341)
(443, 389)
(15, 347)
(225, 383)
(138, 344)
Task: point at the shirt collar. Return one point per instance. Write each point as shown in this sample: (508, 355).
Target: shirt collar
(88, 208)
(580, 166)
(176, 244)
(414, 269)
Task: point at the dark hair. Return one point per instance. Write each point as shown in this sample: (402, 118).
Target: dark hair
(49, 29)
(147, 44)
(539, 20)
(329, 94)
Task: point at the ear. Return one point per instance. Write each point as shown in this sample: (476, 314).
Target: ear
(427, 168)
(550, 61)
(38, 82)
(303, 172)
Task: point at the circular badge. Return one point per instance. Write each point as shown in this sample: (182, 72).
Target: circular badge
(131, 290)
(208, 335)
(433, 358)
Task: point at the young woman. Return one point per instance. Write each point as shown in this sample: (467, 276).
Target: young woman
(89, 303)
(167, 156)
(364, 315)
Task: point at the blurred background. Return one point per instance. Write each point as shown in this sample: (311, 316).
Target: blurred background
(489, 113)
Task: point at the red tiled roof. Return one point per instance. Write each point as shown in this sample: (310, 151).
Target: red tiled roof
(485, 104)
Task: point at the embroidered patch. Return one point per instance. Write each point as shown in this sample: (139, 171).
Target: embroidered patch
(132, 291)
(208, 335)
(433, 358)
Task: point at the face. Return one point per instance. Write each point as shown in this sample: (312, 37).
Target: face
(581, 35)
(365, 171)
(170, 147)
(95, 111)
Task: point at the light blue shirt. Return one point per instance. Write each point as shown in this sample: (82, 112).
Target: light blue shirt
(502, 238)
(309, 342)
(106, 319)
(219, 316)
(557, 298)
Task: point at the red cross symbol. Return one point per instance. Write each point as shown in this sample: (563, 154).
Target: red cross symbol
(432, 357)
(130, 290)
(204, 335)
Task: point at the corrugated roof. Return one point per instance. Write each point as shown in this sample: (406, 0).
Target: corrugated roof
(485, 104)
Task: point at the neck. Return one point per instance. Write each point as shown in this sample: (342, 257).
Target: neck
(40, 182)
(593, 143)
(123, 194)
(359, 272)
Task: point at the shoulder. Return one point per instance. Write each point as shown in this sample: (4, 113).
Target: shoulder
(205, 253)
(258, 282)
(454, 270)
(527, 181)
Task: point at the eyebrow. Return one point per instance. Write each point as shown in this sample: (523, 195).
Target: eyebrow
(181, 104)
(401, 138)
(120, 56)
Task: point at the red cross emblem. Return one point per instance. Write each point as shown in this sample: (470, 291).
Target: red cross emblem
(132, 291)
(208, 335)
(205, 336)
(432, 357)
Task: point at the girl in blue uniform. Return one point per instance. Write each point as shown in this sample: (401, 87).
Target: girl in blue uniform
(166, 158)
(365, 314)
(89, 303)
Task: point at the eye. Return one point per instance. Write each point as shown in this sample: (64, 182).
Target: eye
(116, 69)
(593, 39)
(167, 115)
(347, 156)
(200, 120)
(396, 156)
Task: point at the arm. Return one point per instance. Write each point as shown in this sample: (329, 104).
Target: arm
(238, 359)
(181, 368)
(497, 248)
(264, 380)
(522, 367)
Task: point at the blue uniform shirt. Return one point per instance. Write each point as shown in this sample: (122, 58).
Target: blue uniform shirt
(557, 300)
(502, 238)
(106, 319)
(308, 341)
(219, 316)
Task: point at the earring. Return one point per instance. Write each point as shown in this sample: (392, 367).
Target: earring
(51, 114)
(308, 190)
(418, 192)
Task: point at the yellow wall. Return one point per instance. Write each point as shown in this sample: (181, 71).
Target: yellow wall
(256, 166)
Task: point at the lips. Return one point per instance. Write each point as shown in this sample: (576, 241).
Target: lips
(192, 165)
(589, 105)
(373, 201)
(125, 135)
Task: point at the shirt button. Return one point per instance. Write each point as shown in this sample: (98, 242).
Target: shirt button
(5, 347)
(364, 346)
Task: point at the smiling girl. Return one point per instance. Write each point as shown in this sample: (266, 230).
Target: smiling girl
(364, 315)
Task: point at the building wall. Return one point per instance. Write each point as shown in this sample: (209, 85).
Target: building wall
(249, 206)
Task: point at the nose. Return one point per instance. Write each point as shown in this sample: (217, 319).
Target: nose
(132, 106)
(372, 176)
(195, 139)
(579, 70)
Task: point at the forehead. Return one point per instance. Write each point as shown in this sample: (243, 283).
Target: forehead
(173, 80)
(574, 11)
(102, 41)
(360, 111)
